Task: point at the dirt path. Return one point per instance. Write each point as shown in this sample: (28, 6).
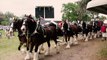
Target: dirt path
(82, 51)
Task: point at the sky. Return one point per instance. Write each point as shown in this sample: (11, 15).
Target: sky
(18, 7)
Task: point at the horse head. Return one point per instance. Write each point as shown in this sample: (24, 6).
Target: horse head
(16, 24)
(13, 25)
(29, 25)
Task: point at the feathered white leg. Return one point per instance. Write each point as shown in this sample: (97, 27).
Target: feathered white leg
(86, 39)
(71, 40)
(57, 48)
(28, 55)
(48, 51)
(23, 50)
(90, 37)
(68, 45)
(84, 36)
(35, 56)
(75, 40)
(95, 35)
(41, 49)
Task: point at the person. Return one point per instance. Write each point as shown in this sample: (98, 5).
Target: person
(104, 32)
(60, 24)
(41, 21)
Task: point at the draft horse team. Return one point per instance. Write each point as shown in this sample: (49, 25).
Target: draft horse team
(32, 34)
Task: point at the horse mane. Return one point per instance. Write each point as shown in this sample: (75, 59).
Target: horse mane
(31, 25)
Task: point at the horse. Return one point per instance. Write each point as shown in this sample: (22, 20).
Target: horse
(16, 25)
(70, 31)
(37, 35)
(87, 29)
(97, 27)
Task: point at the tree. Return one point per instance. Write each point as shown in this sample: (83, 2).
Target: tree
(82, 11)
(1, 17)
(76, 11)
(102, 18)
(5, 18)
(69, 11)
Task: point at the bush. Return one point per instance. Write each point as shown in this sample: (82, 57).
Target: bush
(4, 22)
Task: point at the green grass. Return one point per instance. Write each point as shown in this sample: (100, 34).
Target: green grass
(8, 45)
(103, 51)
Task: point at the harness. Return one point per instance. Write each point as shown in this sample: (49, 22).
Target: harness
(38, 27)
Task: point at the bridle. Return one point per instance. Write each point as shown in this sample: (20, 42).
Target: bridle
(23, 28)
(11, 27)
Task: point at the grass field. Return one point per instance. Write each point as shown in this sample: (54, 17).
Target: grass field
(7, 45)
(10, 46)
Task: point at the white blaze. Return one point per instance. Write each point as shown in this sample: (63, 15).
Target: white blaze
(11, 28)
(23, 26)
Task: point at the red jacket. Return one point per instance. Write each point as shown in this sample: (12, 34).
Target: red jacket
(103, 29)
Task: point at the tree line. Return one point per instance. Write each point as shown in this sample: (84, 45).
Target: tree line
(5, 18)
(78, 11)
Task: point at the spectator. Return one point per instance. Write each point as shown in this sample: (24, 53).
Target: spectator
(104, 32)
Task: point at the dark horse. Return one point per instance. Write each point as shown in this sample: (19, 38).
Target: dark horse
(16, 25)
(37, 35)
(70, 31)
(87, 29)
(96, 28)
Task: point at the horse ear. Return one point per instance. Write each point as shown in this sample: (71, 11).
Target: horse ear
(15, 19)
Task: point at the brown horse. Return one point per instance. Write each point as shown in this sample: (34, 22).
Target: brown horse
(70, 31)
(37, 35)
(16, 25)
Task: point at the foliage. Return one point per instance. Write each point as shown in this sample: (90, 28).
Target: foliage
(102, 18)
(5, 18)
(69, 11)
(76, 11)
(1, 17)
(82, 11)
(5, 22)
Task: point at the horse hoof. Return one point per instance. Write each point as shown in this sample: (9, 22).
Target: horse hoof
(71, 43)
(64, 43)
(75, 43)
(23, 51)
(86, 40)
(35, 56)
(46, 53)
(68, 47)
(27, 58)
(90, 38)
